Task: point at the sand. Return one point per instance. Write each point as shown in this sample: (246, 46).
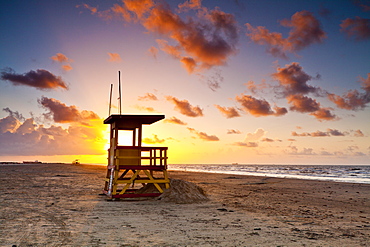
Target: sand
(60, 205)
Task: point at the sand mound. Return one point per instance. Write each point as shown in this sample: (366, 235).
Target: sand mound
(183, 192)
(180, 191)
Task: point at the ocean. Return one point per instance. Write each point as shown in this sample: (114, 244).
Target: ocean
(338, 173)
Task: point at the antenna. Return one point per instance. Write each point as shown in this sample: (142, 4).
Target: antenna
(119, 91)
(110, 98)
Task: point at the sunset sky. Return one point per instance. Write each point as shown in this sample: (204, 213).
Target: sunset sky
(276, 82)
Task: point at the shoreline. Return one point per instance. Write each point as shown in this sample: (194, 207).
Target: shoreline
(60, 205)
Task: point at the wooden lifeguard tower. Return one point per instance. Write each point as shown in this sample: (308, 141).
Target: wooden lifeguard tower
(131, 168)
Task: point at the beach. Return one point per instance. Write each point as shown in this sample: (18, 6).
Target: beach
(62, 205)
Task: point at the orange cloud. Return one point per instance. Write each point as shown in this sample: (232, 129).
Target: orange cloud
(25, 137)
(147, 97)
(228, 112)
(40, 79)
(188, 5)
(253, 87)
(153, 52)
(174, 120)
(258, 107)
(358, 28)
(246, 144)
(114, 57)
(67, 67)
(305, 30)
(324, 114)
(61, 113)
(232, 131)
(145, 108)
(203, 136)
(303, 103)
(353, 100)
(199, 43)
(153, 140)
(184, 107)
(63, 59)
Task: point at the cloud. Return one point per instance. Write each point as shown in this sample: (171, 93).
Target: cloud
(324, 114)
(189, 63)
(257, 135)
(202, 42)
(358, 28)
(258, 107)
(254, 88)
(153, 51)
(145, 108)
(359, 133)
(232, 131)
(15, 114)
(293, 150)
(267, 140)
(303, 103)
(40, 79)
(64, 60)
(61, 58)
(228, 112)
(353, 99)
(294, 80)
(185, 108)
(190, 4)
(93, 10)
(174, 120)
(9, 124)
(318, 133)
(61, 113)
(203, 136)
(25, 138)
(305, 30)
(114, 57)
(153, 140)
(75, 140)
(246, 144)
(148, 97)
(294, 84)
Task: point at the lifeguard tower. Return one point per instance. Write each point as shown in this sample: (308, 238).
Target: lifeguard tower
(131, 168)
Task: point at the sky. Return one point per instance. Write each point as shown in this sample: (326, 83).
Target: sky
(243, 81)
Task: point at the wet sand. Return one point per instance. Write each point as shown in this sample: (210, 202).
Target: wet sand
(60, 205)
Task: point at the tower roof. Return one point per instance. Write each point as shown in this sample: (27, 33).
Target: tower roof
(132, 121)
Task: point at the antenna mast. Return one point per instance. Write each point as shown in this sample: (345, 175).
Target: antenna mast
(119, 91)
(110, 98)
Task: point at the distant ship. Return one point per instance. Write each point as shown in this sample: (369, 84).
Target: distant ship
(32, 162)
(75, 162)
